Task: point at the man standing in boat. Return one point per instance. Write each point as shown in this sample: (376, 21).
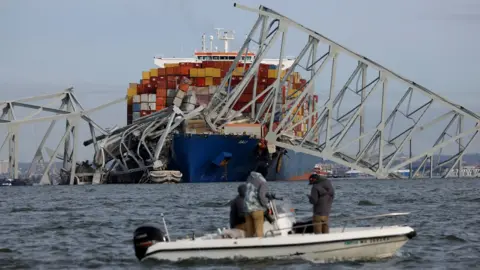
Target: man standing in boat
(237, 210)
(256, 202)
(321, 197)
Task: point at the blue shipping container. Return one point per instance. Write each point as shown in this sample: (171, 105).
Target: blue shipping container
(272, 67)
(136, 107)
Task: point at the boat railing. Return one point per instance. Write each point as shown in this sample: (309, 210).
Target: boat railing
(345, 222)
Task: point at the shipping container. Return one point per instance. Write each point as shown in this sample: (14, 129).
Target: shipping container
(136, 99)
(200, 81)
(161, 101)
(183, 87)
(152, 97)
(161, 92)
(171, 93)
(217, 81)
(131, 92)
(193, 72)
(201, 72)
(160, 107)
(145, 75)
(161, 72)
(208, 81)
(135, 115)
(162, 84)
(154, 72)
(144, 106)
(177, 101)
(152, 106)
(171, 65)
(144, 98)
(136, 107)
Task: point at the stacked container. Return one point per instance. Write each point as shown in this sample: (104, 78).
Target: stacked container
(188, 84)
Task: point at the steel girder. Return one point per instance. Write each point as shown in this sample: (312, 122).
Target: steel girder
(70, 110)
(395, 119)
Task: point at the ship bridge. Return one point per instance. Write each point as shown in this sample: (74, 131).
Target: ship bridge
(369, 118)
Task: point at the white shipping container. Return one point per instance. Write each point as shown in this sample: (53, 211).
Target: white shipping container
(152, 98)
(144, 106)
(177, 102)
(144, 98)
(152, 106)
(180, 94)
(136, 99)
(212, 89)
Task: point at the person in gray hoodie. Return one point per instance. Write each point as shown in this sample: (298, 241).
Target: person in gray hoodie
(237, 212)
(321, 197)
(256, 202)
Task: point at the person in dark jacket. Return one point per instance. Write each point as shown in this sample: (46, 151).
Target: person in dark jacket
(237, 209)
(321, 197)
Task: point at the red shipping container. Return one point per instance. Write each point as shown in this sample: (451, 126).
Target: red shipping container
(260, 88)
(144, 113)
(162, 84)
(270, 81)
(245, 97)
(218, 64)
(315, 99)
(197, 65)
(140, 89)
(208, 64)
(200, 81)
(161, 92)
(171, 85)
(129, 109)
(161, 72)
(263, 73)
(145, 81)
(162, 78)
(217, 81)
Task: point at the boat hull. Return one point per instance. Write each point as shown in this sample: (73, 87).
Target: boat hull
(371, 243)
(194, 156)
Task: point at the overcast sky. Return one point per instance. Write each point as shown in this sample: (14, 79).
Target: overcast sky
(100, 46)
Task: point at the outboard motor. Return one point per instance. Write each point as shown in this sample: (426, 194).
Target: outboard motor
(146, 236)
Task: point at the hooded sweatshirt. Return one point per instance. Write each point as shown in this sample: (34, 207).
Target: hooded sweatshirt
(237, 211)
(255, 197)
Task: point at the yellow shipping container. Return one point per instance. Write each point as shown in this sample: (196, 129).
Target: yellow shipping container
(131, 92)
(194, 72)
(133, 85)
(208, 81)
(130, 100)
(153, 72)
(146, 75)
(171, 65)
(201, 72)
(209, 72)
(217, 73)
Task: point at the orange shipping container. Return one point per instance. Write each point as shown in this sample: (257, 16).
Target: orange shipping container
(170, 71)
(161, 92)
(183, 87)
(145, 81)
(161, 72)
(161, 101)
(184, 70)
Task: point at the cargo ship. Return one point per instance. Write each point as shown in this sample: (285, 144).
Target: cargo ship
(198, 153)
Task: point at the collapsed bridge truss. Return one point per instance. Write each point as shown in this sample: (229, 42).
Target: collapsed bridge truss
(371, 119)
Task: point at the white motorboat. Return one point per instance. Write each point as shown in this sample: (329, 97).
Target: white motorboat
(284, 238)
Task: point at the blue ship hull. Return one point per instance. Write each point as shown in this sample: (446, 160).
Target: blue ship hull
(199, 157)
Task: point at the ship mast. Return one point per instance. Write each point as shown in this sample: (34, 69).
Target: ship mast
(227, 35)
